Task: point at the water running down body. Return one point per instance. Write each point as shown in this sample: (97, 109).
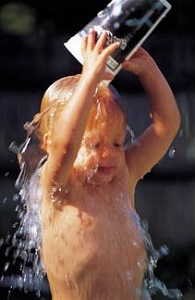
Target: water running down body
(27, 238)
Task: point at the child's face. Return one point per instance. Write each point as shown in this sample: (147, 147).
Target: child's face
(101, 156)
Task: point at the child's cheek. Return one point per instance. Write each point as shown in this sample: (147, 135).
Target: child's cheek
(85, 158)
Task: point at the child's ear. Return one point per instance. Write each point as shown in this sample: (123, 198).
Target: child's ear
(19, 157)
(46, 142)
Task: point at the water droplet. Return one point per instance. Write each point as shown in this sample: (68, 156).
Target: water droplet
(6, 266)
(15, 197)
(4, 200)
(172, 153)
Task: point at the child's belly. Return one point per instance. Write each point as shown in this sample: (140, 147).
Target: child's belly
(96, 253)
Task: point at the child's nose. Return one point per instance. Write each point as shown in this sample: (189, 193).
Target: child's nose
(106, 152)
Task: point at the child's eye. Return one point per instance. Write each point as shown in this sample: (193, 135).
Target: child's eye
(118, 145)
(96, 145)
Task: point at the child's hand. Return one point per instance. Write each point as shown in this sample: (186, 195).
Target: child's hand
(139, 63)
(96, 55)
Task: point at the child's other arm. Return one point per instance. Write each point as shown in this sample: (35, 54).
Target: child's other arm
(151, 146)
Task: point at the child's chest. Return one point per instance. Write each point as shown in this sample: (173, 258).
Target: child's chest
(94, 223)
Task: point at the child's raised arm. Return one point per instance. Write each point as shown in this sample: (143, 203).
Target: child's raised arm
(66, 135)
(150, 147)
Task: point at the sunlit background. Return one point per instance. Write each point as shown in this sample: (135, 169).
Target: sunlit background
(32, 56)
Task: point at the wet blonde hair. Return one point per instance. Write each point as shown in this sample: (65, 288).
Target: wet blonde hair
(105, 109)
(54, 100)
(105, 105)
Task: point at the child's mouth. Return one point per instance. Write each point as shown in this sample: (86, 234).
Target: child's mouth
(105, 169)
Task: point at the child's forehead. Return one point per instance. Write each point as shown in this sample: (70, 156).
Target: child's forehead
(104, 130)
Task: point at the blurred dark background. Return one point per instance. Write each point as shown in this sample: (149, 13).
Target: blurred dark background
(32, 56)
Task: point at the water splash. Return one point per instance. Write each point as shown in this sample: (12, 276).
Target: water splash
(23, 244)
(130, 136)
(152, 285)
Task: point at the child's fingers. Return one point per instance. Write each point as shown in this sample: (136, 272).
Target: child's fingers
(100, 45)
(84, 44)
(108, 76)
(91, 39)
(88, 41)
(101, 41)
(111, 48)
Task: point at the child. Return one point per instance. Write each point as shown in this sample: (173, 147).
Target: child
(92, 242)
